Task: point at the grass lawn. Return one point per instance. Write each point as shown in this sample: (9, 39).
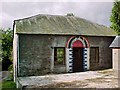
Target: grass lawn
(6, 85)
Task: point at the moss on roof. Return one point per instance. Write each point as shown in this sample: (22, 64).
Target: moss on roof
(61, 25)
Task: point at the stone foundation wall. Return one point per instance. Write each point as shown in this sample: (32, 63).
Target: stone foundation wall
(36, 53)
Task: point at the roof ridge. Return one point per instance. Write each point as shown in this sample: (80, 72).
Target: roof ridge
(61, 24)
(32, 16)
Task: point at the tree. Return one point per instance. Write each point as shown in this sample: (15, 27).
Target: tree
(0, 45)
(115, 17)
(7, 44)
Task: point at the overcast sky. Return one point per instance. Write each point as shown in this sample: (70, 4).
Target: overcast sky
(98, 12)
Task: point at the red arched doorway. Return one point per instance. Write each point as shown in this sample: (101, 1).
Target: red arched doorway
(76, 50)
(77, 43)
(77, 56)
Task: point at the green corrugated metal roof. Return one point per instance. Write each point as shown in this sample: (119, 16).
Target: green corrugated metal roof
(61, 25)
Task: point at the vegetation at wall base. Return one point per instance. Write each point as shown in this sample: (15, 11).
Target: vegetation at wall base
(8, 84)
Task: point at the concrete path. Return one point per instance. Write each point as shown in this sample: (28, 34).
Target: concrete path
(89, 79)
(51, 79)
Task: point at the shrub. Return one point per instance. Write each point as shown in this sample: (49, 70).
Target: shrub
(7, 44)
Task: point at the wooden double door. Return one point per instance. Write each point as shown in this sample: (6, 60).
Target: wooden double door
(77, 59)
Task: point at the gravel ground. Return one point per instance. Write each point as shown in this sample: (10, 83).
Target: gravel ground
(89, 79)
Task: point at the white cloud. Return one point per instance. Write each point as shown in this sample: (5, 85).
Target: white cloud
(98, 12)
(1, 15)
(7, 20)
(57, 0)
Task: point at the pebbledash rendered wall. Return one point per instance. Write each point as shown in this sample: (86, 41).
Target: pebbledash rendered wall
(35, 53)
(116, 58)
(105, 53)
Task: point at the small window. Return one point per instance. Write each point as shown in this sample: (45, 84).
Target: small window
(95, 54)
(59, 56)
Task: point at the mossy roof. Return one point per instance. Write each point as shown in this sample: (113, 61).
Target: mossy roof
(60, 25)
